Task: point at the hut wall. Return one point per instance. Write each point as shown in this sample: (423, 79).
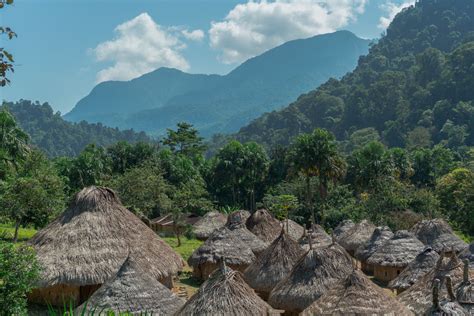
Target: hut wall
(168, 281)
(367, 268)
(386, 274)
(203, 271)
(56, 295)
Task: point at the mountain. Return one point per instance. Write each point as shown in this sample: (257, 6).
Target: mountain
(57, 137)
(415, 88)
(215, 104)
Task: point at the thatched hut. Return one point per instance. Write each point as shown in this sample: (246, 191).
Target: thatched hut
(444, 306)
(319, 238)
(295, 230)
(468, 253)
(395, 255)
(134, 291)
(343, 226)
(423, 263)
(273, 265)
(263, 225)
(356, 236)
(226, 293)
(465, 291)
(237, 218)
(379, 237)
(439, 235)
(316, 272)
(165, 225)
(208, 224)
(87, 244)
(356, 295)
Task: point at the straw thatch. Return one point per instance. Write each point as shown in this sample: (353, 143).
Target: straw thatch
(295, 230)
(444, 306)
(343, 226)
(468, 253)
(237, 218)
(226, 293)
(133, 290)
(380, 235)
(356, 295)
(465, 291)
(439, 235)
(356, 236)
(316, 272)
(208, 224)
(273, 265)
(319, 238)
(88, 243)
(418, 297)
(423, 263)
(263, 225)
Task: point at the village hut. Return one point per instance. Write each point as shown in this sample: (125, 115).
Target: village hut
(319, 238)
(295, 230)
(423, 263)
(356, 236)
(208, 224)
(445, 306)
(465, 291)
(418, 297)
(263, 225)
(237, 218)
(87, 244)
(439, 235)
(312, 276)
(133, 291)
(273, 265)
(356, 295)
(468, 253)
(226, 293)
(380, 235)
(166, 226)
(395, 255)
(343, 226)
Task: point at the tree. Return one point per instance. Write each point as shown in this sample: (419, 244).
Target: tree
(185, 141)
(255, 167)
(13, 143)
(281, 205)
(6, 59)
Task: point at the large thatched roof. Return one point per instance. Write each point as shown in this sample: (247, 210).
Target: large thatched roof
(88, 243)
(343, 226)
(295, 230)
(356, 295)
(380, 235)
(316, 272)
(274, 264)
(208, 224)
(423, 263)
(319, 238)
(439, 235)
(398, 251)
(465, 291)
(263, 225)
(133, 290)
(225, 293)
(356, 236)
(444, 306)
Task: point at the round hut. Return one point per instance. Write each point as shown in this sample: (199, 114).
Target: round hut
(439, 235)
(226, 293)
(316, 272)
(380, 235)
(237, 218)
(87, 244)
(468, 253)
(295, 230)
(356, 295)
(134, 291)
(423, 263)
(343, 226)
(356, 236)
(465, 291)
(319, 238)
(263, 225)
(395, 255)
(211, 221)
(273, 265)
(445, 306)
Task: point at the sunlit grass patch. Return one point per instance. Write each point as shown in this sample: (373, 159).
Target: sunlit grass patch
(187, 245)
(7, 232)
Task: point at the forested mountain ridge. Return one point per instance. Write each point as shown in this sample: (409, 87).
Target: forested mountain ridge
(159, 100)
(57, 137)
(414, 88)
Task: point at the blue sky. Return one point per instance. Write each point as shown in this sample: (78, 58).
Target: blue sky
(65, 47)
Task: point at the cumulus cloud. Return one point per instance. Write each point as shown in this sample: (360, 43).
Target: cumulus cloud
(256, 26)
(194, 35)
(392, 9)
(140, 45)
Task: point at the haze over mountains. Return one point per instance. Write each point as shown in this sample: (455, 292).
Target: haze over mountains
(222, 104)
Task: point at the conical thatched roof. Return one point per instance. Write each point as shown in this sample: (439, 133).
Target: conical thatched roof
(274, 264)
(316, 272)
(356, 236)
(468, 253)
(225, 293)
(418, 297)
(295, 230)
(133, 290)
(343, 226)
(439, 235)
(356, 295)
(465, 291)
(208, 224)
(399, 251)
(444, 306)
(237, 218)
(263, 225)
(380, 235)
(88, 243)
(423, 263)
(319, 238)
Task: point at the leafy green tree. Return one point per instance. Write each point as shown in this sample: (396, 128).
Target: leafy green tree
(6, 59)
(13, 143)
(124, 155)
(255, 167)
(185, 141)
(281, 205)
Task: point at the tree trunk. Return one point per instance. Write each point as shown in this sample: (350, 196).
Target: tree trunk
(323, 193)
(308, 199)
(17, 228)
(178, 235)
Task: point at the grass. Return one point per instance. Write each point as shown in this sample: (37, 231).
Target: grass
(187, 246)
(7, 231)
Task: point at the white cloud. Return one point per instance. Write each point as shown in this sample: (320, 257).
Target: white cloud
(256, 26)
(140, 46)
(195, 35)
(392, 9)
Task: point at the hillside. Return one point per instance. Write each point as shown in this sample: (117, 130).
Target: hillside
(159, 100)
(415, 87)
(57, 137)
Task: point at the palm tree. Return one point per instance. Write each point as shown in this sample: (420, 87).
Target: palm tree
(13, 143)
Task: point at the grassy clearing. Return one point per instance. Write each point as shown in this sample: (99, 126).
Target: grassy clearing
(7, 231)
(187, 246)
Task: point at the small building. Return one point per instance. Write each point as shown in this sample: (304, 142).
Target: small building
(468, 254)
(343, 226)
(165, 226)
(295, 230)
(442, 306)
(379, 237)
(395, 255)
(205, 226)
(465, 291)
(319, 238)
(437, 234)
(264, 225)
(356, 236)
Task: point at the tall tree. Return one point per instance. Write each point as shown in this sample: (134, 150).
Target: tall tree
(6, 59)
(185, 140)
(13, 143)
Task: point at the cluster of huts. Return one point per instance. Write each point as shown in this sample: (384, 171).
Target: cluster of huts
(103, 257)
